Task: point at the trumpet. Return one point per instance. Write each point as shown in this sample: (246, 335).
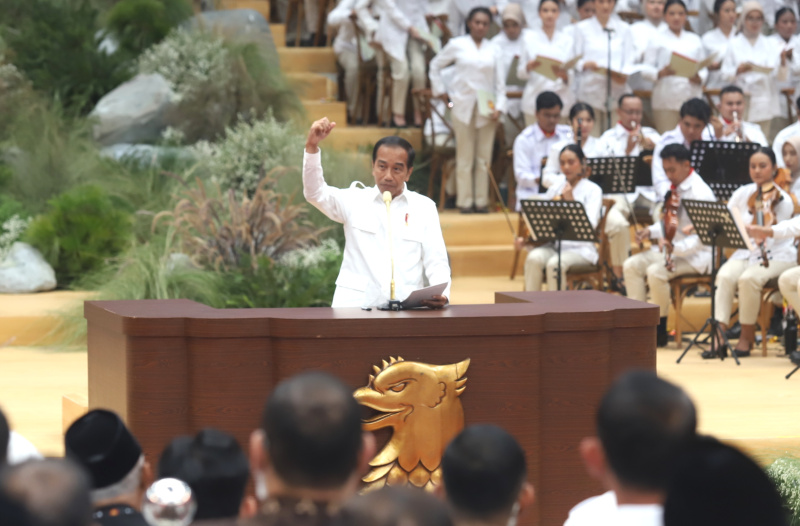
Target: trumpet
(738, 128)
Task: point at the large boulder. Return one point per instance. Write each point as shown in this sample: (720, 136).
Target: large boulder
(135, 111)
(25, 270)
(239, 25)
(146, 155)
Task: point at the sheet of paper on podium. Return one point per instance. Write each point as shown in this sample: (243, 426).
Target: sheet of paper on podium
(686, 67)
(415, 299)
(547, 64)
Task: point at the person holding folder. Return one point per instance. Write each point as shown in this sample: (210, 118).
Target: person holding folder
(392, 235)
(673, 60)
(478, 92)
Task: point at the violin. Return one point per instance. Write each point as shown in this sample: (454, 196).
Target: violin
(761, 204)
(669, 223)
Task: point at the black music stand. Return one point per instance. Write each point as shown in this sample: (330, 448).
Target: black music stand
(797, 364)
(557, 221)
(615, 175)
(724, 165)
(716, 227)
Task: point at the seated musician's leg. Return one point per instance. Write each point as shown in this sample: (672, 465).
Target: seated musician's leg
(568, 259)
(789, 283)
(635, 271)
(750, 283)
(658, 278)
(534, 267)
(727, 282)
(619, 238)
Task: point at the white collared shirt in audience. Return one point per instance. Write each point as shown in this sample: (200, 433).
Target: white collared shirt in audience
(591, 41)
(459, 9)
(530, 147)
(530, 8)
(660, 181)
(508, 50)
(20, 449)
(793, 67)
(396, 18)
(476, 68)
(762, 87)
(715, 41)
(670, 92)
(536, 43)
(603, 510)
(777, 144)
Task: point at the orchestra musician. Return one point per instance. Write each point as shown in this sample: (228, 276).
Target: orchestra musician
(730, 125)
(677, 252)
(575, 186)
(761, 203)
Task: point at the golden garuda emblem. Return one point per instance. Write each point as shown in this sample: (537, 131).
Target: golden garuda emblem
(422, 405)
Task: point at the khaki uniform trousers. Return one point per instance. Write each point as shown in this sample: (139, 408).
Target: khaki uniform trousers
(404, 71)
(666, 120)
(473, 152)
(789, 283)
(544, 260)
(648, 268)
(348, 59)
(749, 279)
(618, 232)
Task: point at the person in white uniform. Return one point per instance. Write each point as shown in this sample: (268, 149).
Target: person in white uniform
(550, 42)
(458, 12)
(575, 186)
(644, 32)
(415, 253)
(791, 158)
(479, 67)
(592, 40)
(585, 11)
(689, 255)
(787, 41)
(532, 146)
(670, 90)
(510, 43)
(745, 271)
(790, 131)
(643, 425)
(716, 41)
(730, 126)
(749, 51)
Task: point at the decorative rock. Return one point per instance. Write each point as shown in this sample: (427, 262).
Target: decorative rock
(134, 111)
(145, 154)
(25, 270)
(240, 25)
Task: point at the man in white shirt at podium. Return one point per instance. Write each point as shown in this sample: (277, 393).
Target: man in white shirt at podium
(390, 231)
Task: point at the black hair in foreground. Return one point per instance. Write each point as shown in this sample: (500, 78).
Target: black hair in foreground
(394, 141)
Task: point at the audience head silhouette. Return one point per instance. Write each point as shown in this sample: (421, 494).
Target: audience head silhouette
(396, 506)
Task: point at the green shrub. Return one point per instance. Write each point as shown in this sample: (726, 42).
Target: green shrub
(81, 229)
(57, 46)
(10, 207)
(138, 24)
(785, 474)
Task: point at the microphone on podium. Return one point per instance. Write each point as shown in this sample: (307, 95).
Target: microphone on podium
(394, 303)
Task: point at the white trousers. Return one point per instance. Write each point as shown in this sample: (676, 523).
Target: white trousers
(618, 231)
(648, 268)
(544, 260)
(789, 283)
(404, 71)
(348, 59)
(749, 279)
(473, 153)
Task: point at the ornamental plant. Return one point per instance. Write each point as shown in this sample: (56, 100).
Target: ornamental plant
(785, 474)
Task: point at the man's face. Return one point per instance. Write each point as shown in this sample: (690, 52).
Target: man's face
(548, 118)
(676, 170)
(654, 9)
(729, 103)
(630, 113)
(391, 170)
(691, 128)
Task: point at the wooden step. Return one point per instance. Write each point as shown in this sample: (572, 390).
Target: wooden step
(481, 260)
(334, 111)
(365, 137)
(278, 34)
(477, 229)
(307, 59)
(313, 86)
(262, 6)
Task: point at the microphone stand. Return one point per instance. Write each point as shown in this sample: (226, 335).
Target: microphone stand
(394, 303)
(608, 79)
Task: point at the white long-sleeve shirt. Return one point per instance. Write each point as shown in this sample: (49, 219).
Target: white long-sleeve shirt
(591, 41)
(670, 92)
(715, 41)
(792, 67)
(660, 181)
(417, 242)
(591, 196)
(643, 32)
(762, 87)
(536, 43)
(477, 68)
(752, 133)
(777, 145)
(778, 249)
(510, 49)
(604, 510)
(552, 175)
(689, 247)
(459, 9)
(396, 18)
(614, 142)
(530, 147)
(346, 37)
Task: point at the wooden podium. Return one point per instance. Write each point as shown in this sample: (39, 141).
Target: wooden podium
(539, 363)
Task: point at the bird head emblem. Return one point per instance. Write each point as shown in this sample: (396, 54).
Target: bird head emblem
(421, 404)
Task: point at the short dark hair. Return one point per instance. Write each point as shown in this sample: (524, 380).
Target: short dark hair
(627, 96)
(769, 152)
(396, 506)
(579, 107)
(730, 88)
(312, 428)
(706, 488)
(782, 11)
(483, 470)
(576, 149)
(5, 438)
(643, 423)
(697, 108)
(13, 512)
(676, 151)
(719, 3)
(395, 141)
(474, 11)
(542, 2)
(582, 3)
(547, 99)
(55, 492)
(213, 464)
(670, 3)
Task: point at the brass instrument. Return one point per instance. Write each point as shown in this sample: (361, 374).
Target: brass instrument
(738, 128)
